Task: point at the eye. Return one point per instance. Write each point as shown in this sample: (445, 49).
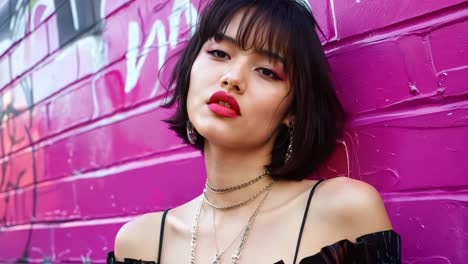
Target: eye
(219, 54)
(268, 73)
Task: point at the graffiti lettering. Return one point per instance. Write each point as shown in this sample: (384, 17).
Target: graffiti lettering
(74, 19)
(136, 57)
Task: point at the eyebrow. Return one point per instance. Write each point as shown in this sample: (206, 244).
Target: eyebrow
(263, 52)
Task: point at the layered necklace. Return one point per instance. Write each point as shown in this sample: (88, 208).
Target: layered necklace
(237, 187)
(244, 232)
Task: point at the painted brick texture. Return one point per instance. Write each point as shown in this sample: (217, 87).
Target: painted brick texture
(84, 150)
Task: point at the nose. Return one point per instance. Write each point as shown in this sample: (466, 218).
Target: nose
(234, 79)
(230, 84)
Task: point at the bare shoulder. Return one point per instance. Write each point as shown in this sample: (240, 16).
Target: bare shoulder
(355, 205)
(139, 238)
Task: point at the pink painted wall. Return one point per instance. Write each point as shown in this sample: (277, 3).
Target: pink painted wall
(83, 149)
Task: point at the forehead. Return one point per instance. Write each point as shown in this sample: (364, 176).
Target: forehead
(233, 25)
(247, 32)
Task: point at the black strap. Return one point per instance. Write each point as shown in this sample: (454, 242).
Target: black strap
(161, 235)
(304, 219)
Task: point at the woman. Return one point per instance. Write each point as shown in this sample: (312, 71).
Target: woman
(253, 93)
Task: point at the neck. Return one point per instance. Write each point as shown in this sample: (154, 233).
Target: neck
(227, 168)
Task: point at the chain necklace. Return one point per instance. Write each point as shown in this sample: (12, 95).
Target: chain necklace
(238, 187)
(193, 241)
(217, 258)
(228, 207)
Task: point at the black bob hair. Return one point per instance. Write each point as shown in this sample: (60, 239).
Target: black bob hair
(286, 27)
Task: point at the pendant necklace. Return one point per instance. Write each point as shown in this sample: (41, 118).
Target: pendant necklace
(217, 257)
(236, 256)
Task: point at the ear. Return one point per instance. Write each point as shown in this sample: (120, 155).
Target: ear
(289, 120)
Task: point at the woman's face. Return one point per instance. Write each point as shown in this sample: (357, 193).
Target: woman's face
(255, 82)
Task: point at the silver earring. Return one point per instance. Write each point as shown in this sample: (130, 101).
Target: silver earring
(191, 133)
(289, 152)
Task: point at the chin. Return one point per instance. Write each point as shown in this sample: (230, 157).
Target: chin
(214, 135)
(207, 122)
(220, 137)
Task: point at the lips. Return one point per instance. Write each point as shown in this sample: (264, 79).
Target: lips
(223, 104)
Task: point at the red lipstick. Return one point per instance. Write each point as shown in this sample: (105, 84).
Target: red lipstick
(223, 104)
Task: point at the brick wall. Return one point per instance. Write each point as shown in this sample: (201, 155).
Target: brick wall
(83, 149)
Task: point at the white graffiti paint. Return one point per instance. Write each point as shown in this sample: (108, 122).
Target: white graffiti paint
(136, 56)
(75, 19)
(18, 21)
(180, 8)
(46, 7)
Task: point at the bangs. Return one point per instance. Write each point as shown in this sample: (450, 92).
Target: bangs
(275, 28)
(264, 28)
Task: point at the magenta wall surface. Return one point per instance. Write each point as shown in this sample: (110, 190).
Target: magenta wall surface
(83, 148)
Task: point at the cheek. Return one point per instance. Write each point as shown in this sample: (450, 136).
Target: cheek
(195, 73)
(266, 116)
(191, 95)
(271, 102)
(196, 76)
(200, 81)
(203, 75)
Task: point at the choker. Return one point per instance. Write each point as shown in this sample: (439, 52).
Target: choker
(228, 207)
(238, 187)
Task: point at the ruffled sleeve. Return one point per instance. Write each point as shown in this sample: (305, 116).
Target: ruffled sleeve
(382, 247)
(111, 260)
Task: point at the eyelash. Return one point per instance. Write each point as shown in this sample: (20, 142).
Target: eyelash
(270, 74)
(221, 54)
(214, 52)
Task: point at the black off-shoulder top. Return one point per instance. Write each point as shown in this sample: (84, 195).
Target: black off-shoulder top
(383, 247)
